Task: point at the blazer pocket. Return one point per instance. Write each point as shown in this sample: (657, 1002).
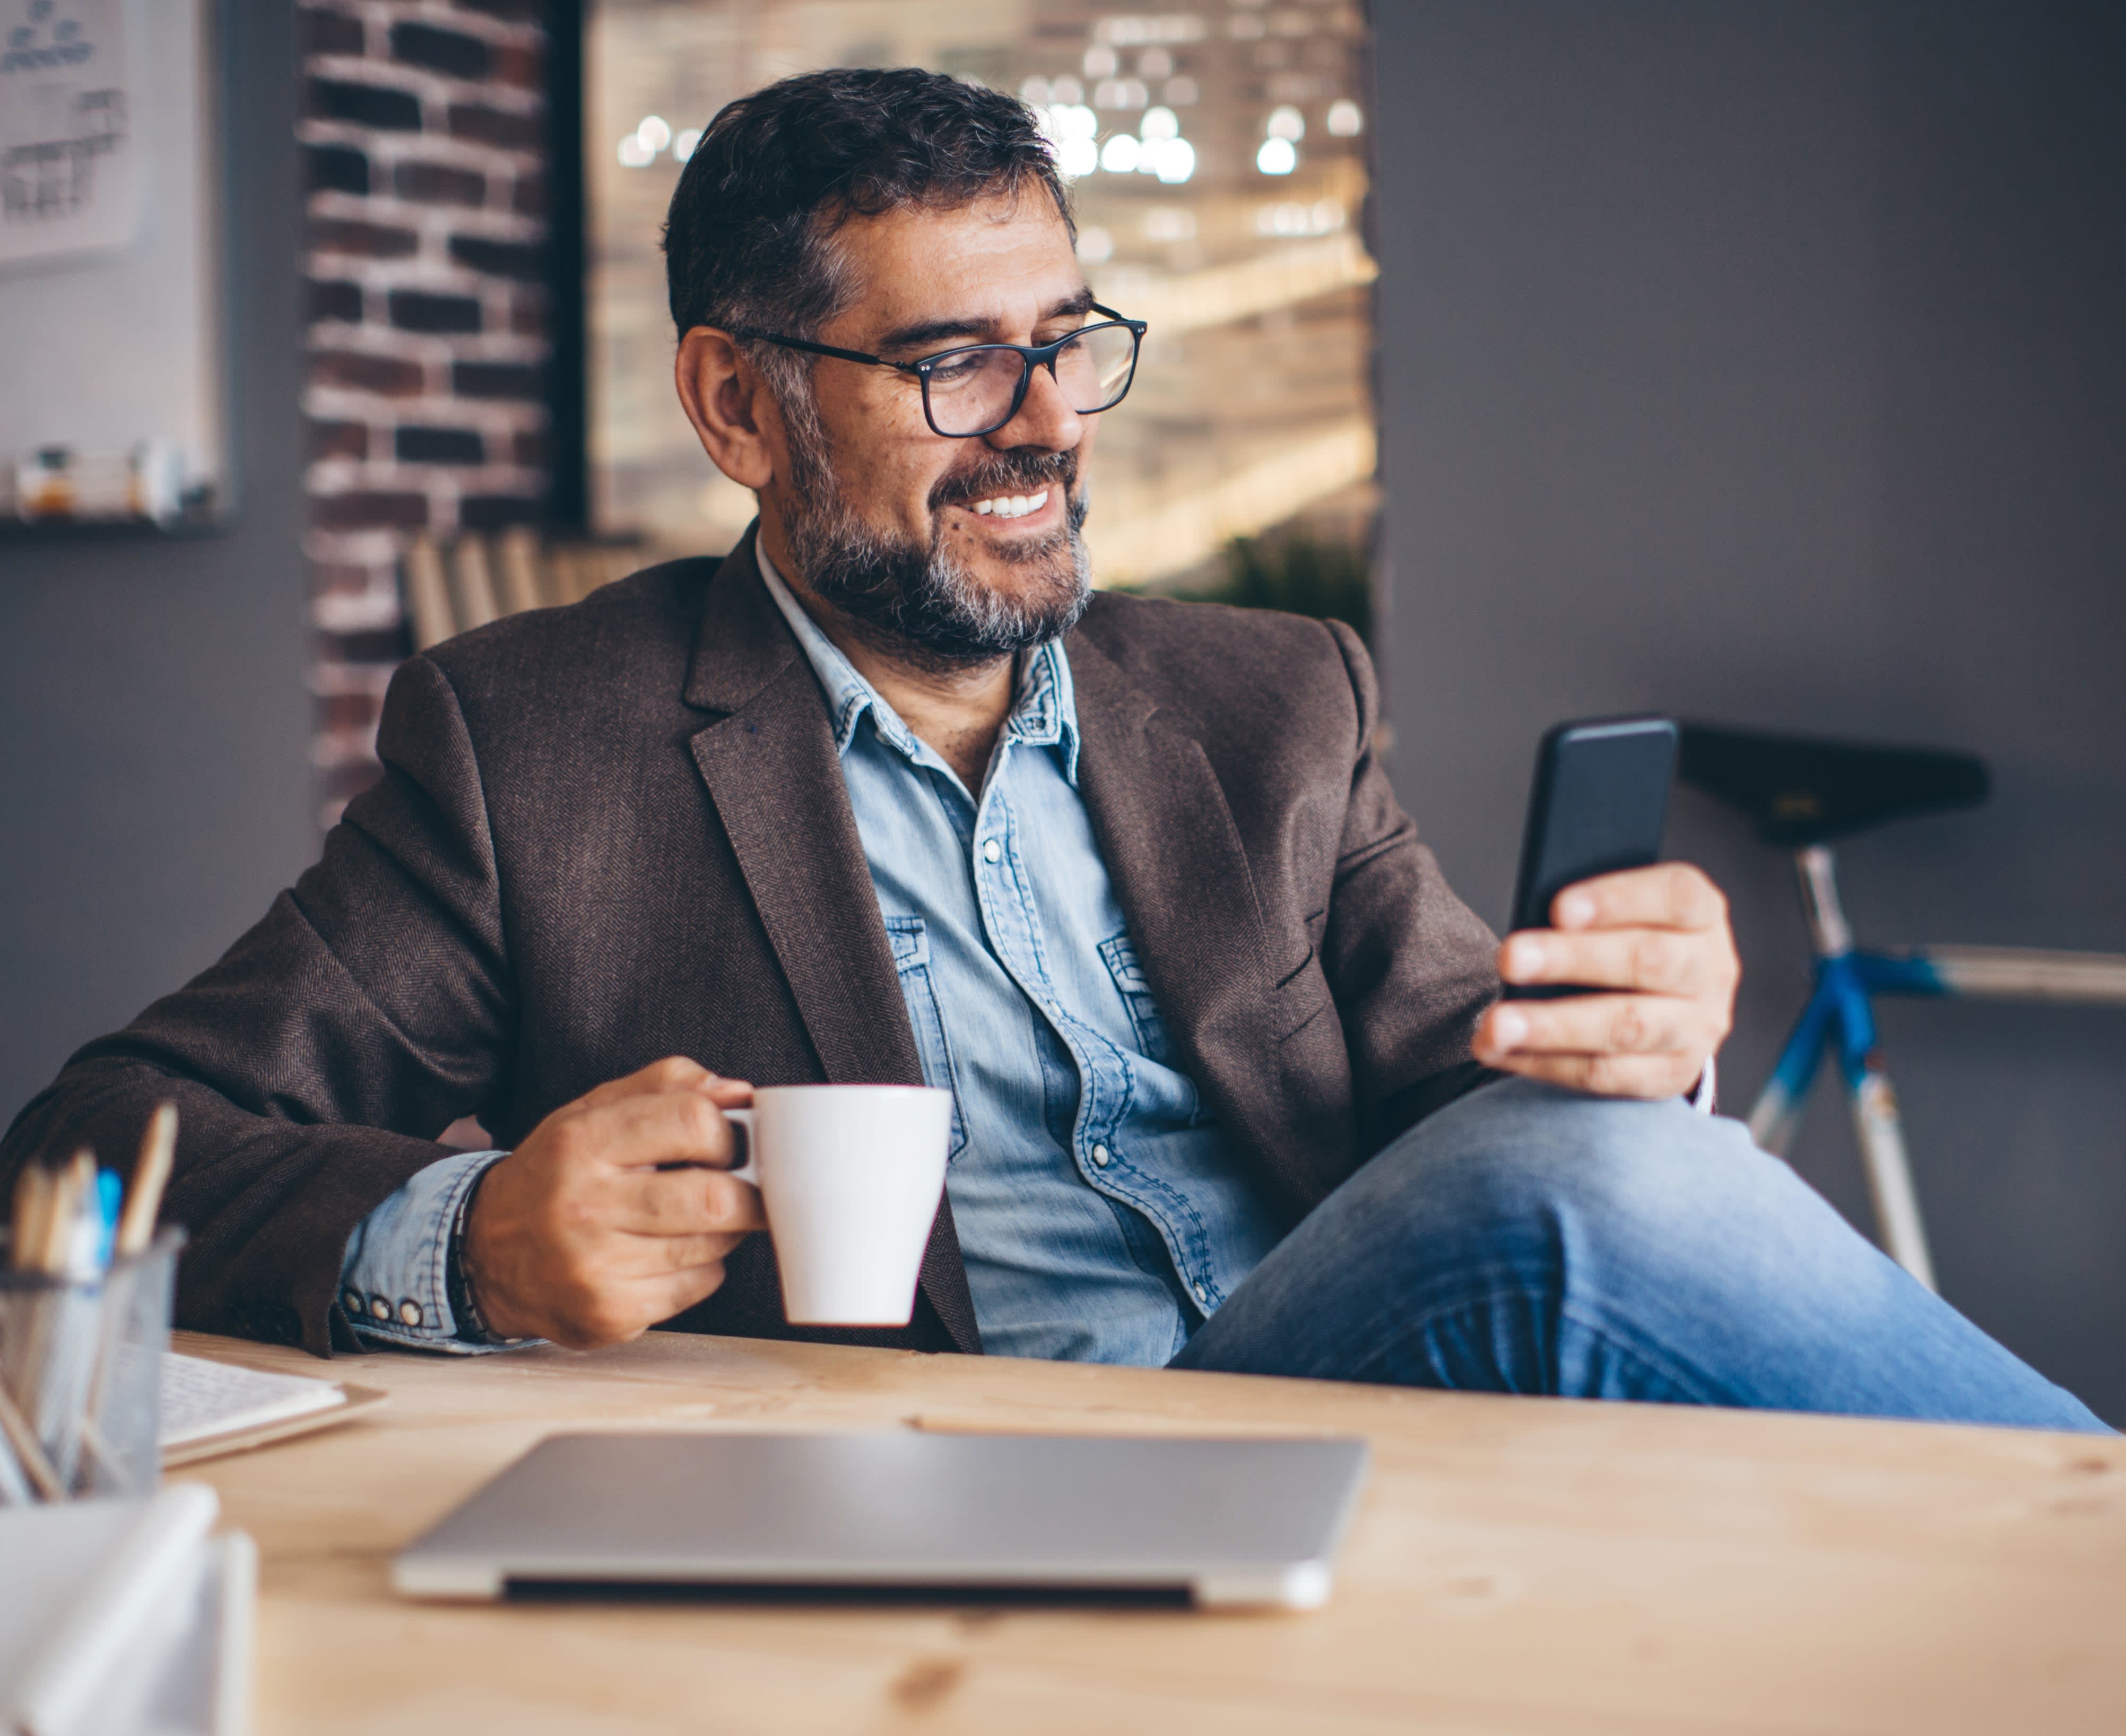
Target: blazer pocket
(911, 961)
(1300, 997)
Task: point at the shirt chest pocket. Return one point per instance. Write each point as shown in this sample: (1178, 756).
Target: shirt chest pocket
(911, 962)
(1121, 959)
(1149, 1027)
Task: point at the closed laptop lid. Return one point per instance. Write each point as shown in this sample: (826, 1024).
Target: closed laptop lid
(1252, 1521)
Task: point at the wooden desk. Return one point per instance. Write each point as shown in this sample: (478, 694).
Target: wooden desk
(1516, 1565)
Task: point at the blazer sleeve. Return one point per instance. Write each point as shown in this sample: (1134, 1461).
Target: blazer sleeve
(1412, 967)
(315, 1064)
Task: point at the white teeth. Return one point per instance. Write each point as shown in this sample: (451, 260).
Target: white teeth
(1010, 506)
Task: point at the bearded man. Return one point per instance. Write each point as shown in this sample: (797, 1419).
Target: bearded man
(889, 794)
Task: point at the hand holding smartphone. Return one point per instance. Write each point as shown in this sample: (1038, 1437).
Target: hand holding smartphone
(1598, 804)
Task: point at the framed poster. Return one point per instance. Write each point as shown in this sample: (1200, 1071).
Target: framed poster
(114, 404)
(67, 148)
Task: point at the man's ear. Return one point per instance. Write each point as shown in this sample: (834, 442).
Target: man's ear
(733, 412)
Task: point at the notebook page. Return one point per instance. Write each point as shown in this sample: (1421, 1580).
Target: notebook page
(201, 1398)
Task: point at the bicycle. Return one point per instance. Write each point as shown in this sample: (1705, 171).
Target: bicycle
(1800, 792)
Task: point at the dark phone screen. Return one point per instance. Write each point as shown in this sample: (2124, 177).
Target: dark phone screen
(1599, 801)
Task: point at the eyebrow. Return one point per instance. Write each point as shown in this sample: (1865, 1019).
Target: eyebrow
(928, 333)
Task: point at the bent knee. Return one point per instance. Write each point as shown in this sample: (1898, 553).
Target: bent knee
(1537, 1167)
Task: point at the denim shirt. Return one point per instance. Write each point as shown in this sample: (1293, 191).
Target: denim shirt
(1100, 1215)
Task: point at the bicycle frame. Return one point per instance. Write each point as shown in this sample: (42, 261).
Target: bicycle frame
(1840, 1014)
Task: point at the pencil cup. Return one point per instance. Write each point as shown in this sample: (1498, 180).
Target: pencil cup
(81, 1365)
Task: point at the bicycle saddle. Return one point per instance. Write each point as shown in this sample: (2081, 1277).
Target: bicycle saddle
(1801, 789)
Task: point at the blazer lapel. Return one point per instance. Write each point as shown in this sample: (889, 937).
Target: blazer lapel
(1175, 854)
(768, 760)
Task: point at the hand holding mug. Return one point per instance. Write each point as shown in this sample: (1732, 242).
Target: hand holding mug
(583, 1236)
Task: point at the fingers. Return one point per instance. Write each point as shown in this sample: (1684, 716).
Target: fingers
(674, 1073)
(1610, 1075)
(640, 1131)
(1660, 936)
(1670, 894)
(1595, 1024)
(683, 1203)
(662, 1256)
(1652, 960)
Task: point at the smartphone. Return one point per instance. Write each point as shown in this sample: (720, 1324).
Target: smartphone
(1600, 801)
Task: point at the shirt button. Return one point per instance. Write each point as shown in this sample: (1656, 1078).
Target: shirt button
(353, 1298)
(992, 851)
(379, 1309)
(409, 1312)
(1202, 1294)
(1100, 1156)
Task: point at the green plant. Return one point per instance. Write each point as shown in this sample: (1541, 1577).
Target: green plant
(1300, 573)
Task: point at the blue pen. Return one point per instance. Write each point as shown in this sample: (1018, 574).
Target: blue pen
(109, 1199)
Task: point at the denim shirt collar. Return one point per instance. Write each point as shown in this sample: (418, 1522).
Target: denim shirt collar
(1045, 713)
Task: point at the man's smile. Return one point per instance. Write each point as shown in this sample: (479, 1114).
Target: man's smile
(1041, 505)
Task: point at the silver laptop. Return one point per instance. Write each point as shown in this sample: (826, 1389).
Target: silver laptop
(1224, 1522)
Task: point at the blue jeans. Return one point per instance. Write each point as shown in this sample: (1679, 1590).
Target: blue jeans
(1526, 1239)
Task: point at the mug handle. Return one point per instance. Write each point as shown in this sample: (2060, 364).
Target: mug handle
(749, 1170)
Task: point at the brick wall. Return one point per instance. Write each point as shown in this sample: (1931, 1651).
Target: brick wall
(424, 137)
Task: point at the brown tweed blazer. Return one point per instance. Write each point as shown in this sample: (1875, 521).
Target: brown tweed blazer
(618, 831)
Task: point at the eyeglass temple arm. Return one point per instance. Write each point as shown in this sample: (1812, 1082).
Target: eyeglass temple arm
(816, 349)
(1137, 326)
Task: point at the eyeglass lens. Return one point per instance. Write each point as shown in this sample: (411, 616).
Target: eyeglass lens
(970, 391)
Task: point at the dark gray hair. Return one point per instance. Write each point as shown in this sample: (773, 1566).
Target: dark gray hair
(749, 238)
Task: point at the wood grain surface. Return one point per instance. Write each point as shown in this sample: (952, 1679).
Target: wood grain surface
(1519, 1565)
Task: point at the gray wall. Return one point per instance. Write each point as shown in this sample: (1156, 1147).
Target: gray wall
(1766, 360)
(154, 785)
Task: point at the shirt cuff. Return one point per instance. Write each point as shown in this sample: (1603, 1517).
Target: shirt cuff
(395, 1281)
(1704, 1096)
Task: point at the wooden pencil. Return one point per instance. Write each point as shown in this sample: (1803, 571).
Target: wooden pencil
(77, 1187)
(33, 1200)
(151, 1175)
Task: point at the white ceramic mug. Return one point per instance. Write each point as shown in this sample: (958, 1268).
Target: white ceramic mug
(850, 1175)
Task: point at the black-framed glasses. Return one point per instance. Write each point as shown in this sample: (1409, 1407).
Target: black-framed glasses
(976, 389)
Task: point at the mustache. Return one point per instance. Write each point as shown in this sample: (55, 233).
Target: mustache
(1017, 472)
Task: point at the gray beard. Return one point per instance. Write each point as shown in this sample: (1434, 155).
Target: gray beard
(921, 603)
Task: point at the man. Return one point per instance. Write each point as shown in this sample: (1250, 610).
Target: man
(887, 795)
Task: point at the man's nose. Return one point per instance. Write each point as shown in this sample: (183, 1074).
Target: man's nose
(1045, 418)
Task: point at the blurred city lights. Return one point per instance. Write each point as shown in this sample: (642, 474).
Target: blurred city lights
(1324, 217)
(1119, 155)
(1172, 160)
